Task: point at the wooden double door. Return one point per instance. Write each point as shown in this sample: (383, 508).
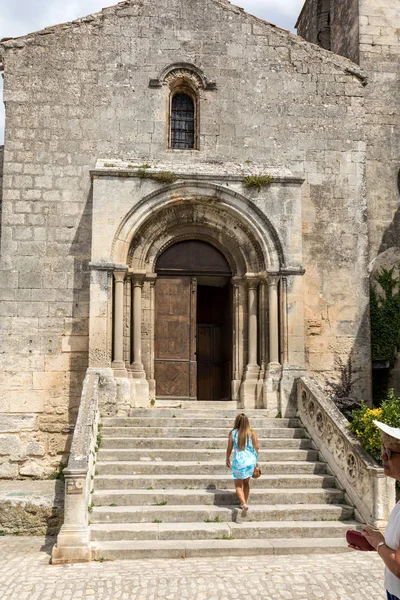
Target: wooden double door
(193, 339)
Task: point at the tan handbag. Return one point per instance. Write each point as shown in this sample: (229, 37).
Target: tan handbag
(256, 472)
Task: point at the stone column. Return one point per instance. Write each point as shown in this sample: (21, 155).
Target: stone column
(274, 371)
(140, 391)
(284, 321)
(273, 321)
(252, 326)
(248, 391)
(137, 365)
(118, 363)
(237, 350)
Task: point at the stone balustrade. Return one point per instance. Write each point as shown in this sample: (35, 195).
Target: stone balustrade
(73, 541)
(366, 486)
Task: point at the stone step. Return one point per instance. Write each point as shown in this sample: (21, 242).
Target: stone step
(261, 530)
(195, 422)
(154, 445)
(202, 468)
(202, 513)
(215, 497)
(129, 550)
(202, 457)
(196, 405)
(210, 482)
(196, 455)
(200, 413)
(203, 432)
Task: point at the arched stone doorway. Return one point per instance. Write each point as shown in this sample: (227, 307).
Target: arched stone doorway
(193, 323)
(266, 294)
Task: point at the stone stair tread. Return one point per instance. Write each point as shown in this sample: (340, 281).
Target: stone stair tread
(213, 508)
(215, 477)
(176, 492)
(192, 463)
(318, 525)
(191, 548)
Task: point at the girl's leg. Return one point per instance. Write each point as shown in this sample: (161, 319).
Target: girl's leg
(246, 488)
(239, 491)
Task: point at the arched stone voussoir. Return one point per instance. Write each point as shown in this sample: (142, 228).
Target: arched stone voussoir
(194, 210)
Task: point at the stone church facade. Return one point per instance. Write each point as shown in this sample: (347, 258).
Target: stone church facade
(191, 202)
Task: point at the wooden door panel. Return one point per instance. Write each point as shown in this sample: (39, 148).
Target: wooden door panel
(174, 348)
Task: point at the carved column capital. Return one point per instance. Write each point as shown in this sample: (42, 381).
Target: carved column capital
(252, 280)
(119, 276)
(138, 277)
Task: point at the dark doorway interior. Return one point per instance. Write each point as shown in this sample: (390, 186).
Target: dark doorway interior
(214, 342)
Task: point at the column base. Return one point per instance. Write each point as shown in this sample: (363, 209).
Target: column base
(73, 546)
(119, 369)
(252, 372)
(137, 371)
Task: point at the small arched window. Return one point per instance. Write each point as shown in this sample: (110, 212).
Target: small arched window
(183, 131)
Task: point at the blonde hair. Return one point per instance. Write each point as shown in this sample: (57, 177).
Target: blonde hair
(388, 439)
(244, 430)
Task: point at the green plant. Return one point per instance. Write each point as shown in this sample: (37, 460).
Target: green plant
(257, 181)
(2, 533)
(57, 474)
(385, 315)
(216, 519)
(157, 521)
(113, 504)
(152, 402)
(109, 165)
(366, 431)
(100, 559)
(278, 415)
(164, 177)
(150, 488)
(90, 507)
(142, 174)
(163, 503)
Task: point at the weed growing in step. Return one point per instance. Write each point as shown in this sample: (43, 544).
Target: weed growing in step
(90, 507)
(150, 487)
(2, 533)
(161, 503)
(217, 519)
(157, 521)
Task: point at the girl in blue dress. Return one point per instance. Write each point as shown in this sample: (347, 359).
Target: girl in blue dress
(244, 443)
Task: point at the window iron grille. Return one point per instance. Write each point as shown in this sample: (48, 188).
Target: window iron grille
(182, 122)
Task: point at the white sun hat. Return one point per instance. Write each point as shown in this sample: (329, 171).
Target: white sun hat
(394, 432)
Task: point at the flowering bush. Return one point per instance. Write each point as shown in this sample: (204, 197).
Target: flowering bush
(366, 431)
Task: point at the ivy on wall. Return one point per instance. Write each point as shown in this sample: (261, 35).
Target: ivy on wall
(385, 316)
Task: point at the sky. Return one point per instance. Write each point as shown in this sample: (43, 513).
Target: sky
(19, 17)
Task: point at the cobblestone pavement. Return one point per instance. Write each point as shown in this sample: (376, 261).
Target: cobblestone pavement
(25, 574)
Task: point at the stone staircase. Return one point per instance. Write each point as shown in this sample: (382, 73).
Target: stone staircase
(162, 490)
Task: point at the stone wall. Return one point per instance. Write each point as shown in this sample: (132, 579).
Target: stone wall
(307, 23)
(81, 91)
(341, 18)
(1, 183)
(380, 59)
(345, 29)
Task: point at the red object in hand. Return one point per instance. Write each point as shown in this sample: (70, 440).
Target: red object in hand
(355, 538)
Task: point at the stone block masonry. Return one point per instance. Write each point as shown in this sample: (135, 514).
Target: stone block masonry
(78, 92)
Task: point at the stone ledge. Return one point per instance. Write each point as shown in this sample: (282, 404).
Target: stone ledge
(31, 507)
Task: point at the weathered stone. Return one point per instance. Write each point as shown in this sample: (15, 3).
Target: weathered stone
(271, 105)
